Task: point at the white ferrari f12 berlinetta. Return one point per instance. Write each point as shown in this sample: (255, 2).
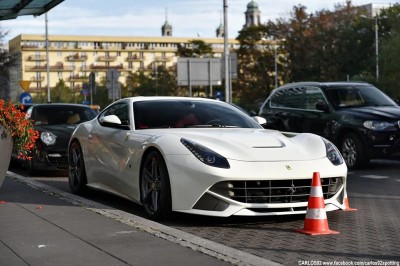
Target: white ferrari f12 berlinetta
(201, 156)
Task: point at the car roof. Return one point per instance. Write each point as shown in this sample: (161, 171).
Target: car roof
(155, 98)
(60, 104)
(324, 84)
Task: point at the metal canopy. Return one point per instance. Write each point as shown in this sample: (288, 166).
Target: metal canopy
(11, 9)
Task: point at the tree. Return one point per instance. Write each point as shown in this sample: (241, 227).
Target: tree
(6, 60)
(165, 82)
(390, 51)
(61, 93)
(256, 61)
(195, 48)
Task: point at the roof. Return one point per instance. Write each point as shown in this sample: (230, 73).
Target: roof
(11, 9)
(323, 84)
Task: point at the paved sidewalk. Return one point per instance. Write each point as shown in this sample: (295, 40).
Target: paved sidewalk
(43, 226)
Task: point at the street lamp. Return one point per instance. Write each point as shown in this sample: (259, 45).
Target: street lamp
(376, 43)
(276, 44)
(226, 54)
(47, 60)
(276, 65)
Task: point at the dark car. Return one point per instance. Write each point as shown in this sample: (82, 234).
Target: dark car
(55, 123)
(24, 107)
(362, 121)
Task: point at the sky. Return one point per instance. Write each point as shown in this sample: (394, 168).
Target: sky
(128, 18)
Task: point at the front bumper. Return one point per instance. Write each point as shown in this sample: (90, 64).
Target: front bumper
(197, 189)
(384, 144)
(50, 160)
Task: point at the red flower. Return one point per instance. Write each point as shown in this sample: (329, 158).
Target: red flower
(20, 128)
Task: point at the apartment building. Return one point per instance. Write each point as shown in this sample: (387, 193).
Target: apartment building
(73, 58)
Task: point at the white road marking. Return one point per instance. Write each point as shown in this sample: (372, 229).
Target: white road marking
(375, 176)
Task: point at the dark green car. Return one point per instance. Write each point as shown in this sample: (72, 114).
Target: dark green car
(362, 121)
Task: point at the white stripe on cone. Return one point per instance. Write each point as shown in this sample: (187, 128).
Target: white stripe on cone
(316, 192)
(316, 214)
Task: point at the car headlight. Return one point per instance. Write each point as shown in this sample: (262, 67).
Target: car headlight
(205, 155)
(333, 153)
(48, 138)
(379, 125)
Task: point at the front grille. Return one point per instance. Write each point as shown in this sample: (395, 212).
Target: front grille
(275, 191)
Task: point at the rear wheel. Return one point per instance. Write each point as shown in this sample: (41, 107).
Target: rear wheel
(155, 187)
(76, 170)
(353, 151)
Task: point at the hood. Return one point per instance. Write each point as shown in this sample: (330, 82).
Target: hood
(249, 144)
(387, 113)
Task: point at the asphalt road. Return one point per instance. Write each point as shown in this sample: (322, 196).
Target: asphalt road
(368, 235)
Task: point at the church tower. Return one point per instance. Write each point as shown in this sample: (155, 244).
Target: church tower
(166, 29)
(252, 15)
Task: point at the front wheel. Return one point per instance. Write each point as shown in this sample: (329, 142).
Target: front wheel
(353, 151)
(76, 169)
(155, 187)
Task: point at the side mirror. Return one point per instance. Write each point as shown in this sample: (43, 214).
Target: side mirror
(260, 120)
(112, 121)
(322, 106)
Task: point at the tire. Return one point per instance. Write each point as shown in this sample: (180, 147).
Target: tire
(155, 188)
(76, 169)
(353, 151)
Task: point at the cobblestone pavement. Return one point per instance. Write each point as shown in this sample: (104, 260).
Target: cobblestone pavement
(371, 233)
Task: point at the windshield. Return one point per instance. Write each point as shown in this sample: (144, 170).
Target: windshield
(189, 113)
(57, 115)
(357, 96)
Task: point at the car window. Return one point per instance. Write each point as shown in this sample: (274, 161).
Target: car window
(313, 95)
(120, 110)
(178, 114)
(357, 96)
(57, 115)
(288, 98)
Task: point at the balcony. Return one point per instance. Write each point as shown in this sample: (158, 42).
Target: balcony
(78, 78)
(135, 58)
(104, 67)
(106, 58)
(59, 67)
(36, 58)
(36, 79)
(164, 58)
(76, 58)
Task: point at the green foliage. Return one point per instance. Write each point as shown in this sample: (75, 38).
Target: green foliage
(61, 93)
(195, 48)
(323, 46)
(160, 81)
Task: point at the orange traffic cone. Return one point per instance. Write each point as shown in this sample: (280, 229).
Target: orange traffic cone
(316, 222)
(346, 202)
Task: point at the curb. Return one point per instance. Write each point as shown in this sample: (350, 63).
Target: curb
(216, 250)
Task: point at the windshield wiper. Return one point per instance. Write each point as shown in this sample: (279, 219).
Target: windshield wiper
(211, 126)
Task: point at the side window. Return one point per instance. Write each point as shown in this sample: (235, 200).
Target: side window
(288, 98)
(120, 110)
(313, 95)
